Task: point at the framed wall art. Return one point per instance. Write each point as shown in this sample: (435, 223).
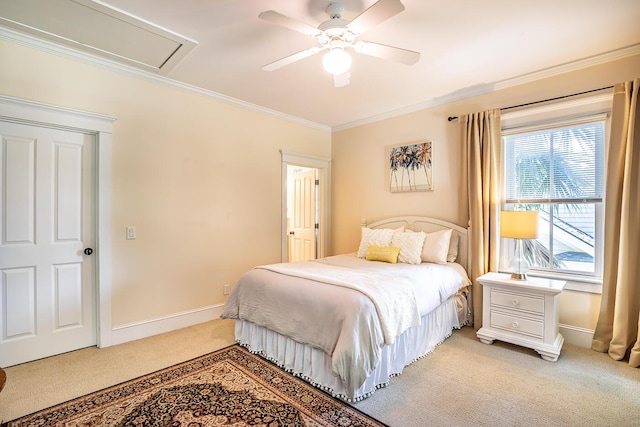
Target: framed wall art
(411, 167)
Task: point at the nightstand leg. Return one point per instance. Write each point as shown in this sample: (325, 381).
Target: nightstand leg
(551, 353)
(549, 357)
(484, 337)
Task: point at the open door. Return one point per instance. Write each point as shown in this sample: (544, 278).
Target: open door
(305, 206)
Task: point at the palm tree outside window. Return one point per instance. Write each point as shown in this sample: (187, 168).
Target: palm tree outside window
(558, 170)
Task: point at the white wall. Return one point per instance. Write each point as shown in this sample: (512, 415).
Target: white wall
(199, 179)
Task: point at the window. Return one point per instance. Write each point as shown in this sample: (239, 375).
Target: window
(557, 169)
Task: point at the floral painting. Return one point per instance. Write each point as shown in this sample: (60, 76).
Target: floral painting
(411, 167)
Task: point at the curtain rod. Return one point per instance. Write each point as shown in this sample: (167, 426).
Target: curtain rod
(452, 118)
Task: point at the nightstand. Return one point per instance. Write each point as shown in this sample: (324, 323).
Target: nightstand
(522, 312)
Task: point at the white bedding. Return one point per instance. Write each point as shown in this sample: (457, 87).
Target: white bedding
(395, 302)
(341, 321)
(447, 278)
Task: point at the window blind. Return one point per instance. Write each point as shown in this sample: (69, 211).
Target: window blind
(561, 164)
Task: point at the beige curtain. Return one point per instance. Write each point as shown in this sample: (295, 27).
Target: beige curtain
(482, 165)
(618, 328)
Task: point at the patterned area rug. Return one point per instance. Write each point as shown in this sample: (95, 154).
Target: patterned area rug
(230, 387)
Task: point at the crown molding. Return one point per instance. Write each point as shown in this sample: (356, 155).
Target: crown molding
(69, 53)
(567, 67)
(53, 48)
(481, 89)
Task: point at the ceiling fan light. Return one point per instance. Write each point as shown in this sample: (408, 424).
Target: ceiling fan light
(336, 61)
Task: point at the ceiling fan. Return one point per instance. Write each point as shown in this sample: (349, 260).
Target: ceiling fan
(337, 35)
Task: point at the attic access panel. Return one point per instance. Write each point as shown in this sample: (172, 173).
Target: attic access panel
(99, 29)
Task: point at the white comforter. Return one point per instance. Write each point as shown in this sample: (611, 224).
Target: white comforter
(346, 306)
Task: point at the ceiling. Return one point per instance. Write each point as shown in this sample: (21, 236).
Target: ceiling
(467, 47)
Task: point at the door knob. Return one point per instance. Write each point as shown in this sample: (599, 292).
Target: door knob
(88, 251)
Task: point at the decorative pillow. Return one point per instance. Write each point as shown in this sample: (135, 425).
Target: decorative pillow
(374, 236)
(436, 246)
(383, 253)
(452, 255)
(410, 244)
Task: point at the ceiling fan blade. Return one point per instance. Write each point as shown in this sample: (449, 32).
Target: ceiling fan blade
(341, 80)
(293, 24)
(403, 56)
(291, 58)
(375, 14)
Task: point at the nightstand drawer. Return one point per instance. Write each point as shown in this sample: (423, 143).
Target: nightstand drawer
(532, 303)
(517, 324)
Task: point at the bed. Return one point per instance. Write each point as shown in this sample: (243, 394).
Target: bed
(348, 323)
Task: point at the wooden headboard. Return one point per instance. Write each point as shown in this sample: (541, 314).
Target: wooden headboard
(428, 225)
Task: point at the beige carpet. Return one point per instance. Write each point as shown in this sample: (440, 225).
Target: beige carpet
(462, 383)
(467, 383)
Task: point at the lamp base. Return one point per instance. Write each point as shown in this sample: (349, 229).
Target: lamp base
(519, 276)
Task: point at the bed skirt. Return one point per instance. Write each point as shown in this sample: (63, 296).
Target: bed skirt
(314, 365)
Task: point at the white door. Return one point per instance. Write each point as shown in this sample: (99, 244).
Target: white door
(47, 220)
(304, 215)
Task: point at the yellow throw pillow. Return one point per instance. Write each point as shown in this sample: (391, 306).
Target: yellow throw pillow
(383, 253)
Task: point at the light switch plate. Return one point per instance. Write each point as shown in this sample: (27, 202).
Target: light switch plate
(131, 233)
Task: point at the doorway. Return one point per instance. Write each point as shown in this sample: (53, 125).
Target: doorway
(305, 196)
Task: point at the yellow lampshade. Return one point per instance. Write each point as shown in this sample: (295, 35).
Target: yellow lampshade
(519, 224)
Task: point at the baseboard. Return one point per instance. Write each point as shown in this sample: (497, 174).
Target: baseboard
(580, 337)
(146, 328)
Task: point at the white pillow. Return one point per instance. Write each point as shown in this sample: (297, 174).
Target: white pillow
(410, 244)
(452, 255)
(436, 246)
(376, 237)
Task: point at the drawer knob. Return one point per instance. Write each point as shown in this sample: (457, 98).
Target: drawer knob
(515, 324)
(515, 302)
